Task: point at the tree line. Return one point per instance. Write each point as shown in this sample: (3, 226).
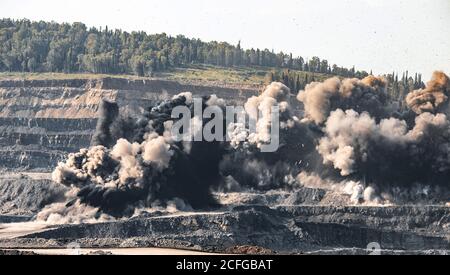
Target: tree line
(27, 46)
(296, 80)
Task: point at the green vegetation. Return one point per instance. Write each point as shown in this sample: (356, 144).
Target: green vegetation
(252, 76)
(214, 74)
(249, 77)
(297, 80)
(27, 46)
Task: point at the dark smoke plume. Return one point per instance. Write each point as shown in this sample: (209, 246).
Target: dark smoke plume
(108, 112)
(145, 166)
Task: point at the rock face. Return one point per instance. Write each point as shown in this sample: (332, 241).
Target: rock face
(26, 196)
(42, 120)
(80, 98)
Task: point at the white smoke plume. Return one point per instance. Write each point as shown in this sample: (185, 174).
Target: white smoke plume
(258, 109)
(156, 151)
(352, 139)
(380, 157)
(246, 164)
(320, 98)
(345, 192)
(61, 213)
(433, 98)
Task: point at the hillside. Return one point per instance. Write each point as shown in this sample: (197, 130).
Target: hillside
(252, 78)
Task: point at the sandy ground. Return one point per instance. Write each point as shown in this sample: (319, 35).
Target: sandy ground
(14, 230)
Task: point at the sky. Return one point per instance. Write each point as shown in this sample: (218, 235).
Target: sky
(378, 35)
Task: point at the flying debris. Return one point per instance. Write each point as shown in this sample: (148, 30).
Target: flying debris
(347, 132)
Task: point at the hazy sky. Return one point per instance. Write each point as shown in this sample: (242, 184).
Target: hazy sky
(383, 35)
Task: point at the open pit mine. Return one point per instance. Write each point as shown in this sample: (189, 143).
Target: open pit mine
(89, 163)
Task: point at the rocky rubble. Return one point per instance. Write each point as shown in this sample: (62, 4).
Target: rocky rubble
(25, 196)
(279, 230)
